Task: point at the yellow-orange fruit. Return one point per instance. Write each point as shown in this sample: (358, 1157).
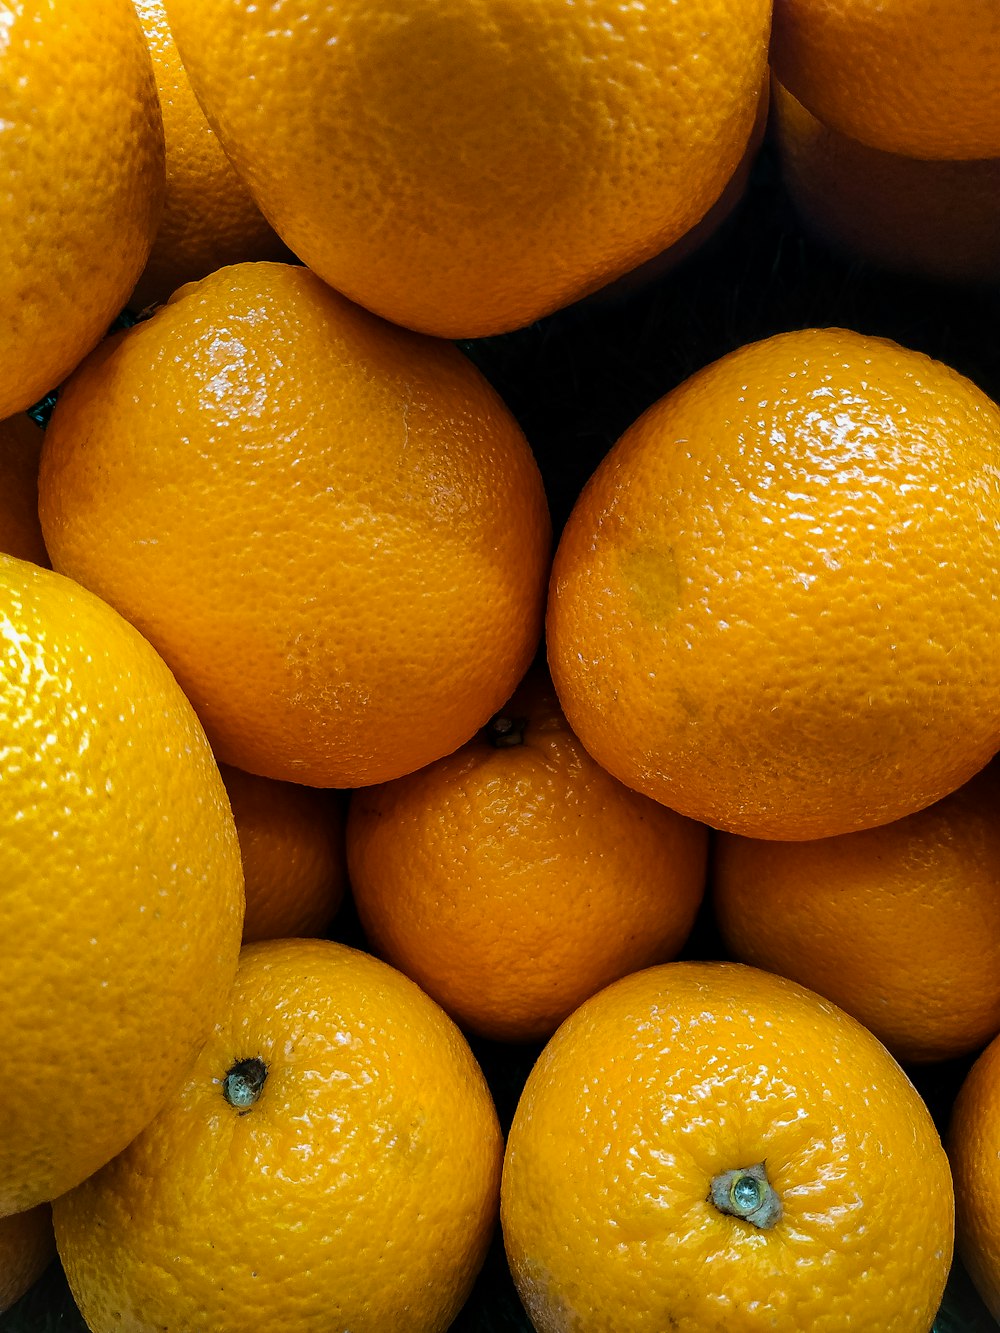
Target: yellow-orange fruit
(775, 605)
(209, 217)
(332, 529)
(705, 1146)
(81, 183)
(516, 877)
(899, 925)
(332, 1161)
(121, 893)
(916, 79)
(292, 848)
(20, 452)
(463, 167)
(935, 218)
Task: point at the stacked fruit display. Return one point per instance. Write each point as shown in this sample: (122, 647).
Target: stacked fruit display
(499, 595)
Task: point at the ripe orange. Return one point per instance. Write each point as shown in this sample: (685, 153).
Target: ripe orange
(332, 1162)
(515, 878)
(121, 894)
(775, 604)
(332, 529)
(974, 1149)
(81, 183)
(209, 218)
(292, 847)
(933, 218)
(27, 1247)
(464, 168)
(706, 1146)
(899, 925)
(916, 79)
(20, 451)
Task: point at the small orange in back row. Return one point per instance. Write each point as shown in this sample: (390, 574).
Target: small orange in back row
(516, 877)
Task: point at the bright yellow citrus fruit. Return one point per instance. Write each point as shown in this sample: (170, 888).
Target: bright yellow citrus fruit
(121, 893)
(331, 1162)
(704, 1146)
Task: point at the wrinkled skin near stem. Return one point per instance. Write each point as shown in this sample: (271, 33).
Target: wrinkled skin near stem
(747, 1193)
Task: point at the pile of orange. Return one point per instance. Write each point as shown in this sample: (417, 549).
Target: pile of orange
(331, 763)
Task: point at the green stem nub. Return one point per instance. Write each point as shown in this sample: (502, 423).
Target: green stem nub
(747, 1193)
(244, 1083)
(503, 731)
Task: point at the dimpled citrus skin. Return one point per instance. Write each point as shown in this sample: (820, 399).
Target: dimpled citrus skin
(899, 925)
(209, 218)
(974, 1148)
(513, 882)
(332, 529)
(916, 79)
(775, 603)
(359, 1192)
(678, 1074)
(121, 903)
(20, 451)
(27, 1247)
(463, 167)
(292, 846)
(81, 182)
(937, 218)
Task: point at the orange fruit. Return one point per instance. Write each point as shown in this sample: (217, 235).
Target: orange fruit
(122, 896)
(81, 183)
(292, 846)
(27, 1247)
(332, 529)
(899, 925)
(774, 608)
(20, 452)
(332, 1161)
(707, 1146)
(916, 79)
(516, 877)
(938, 218)
(974, 1149)
(703, 231)
(209, 218)
(463, 169)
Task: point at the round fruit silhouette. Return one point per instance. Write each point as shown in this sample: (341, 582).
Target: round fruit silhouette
(708, 1146)
(20, 452)
(899, 925)
(464, 169)
(936, 218)
(332, 529)
(122, 894)
(515, 877)
(919, 80)
(974, 1148)
(27, 1247)
(209, 218)
(81, 183)
(332, 1161)
(774, 605)
(292, 847)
